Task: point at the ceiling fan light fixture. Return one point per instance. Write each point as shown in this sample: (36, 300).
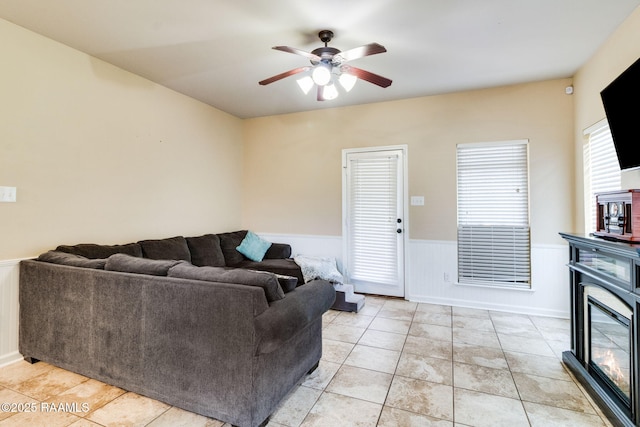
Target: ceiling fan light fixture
(321, 74)
(305, 83)
(347, 81)
(328, 66)
(330, 92)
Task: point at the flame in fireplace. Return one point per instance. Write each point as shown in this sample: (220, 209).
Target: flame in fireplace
(609, 365)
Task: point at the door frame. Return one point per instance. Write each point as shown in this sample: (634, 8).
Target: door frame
(405, 203)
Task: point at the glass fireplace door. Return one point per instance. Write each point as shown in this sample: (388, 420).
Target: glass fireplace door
(610, 348)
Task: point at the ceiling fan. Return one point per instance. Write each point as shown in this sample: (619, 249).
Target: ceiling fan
(328, 64)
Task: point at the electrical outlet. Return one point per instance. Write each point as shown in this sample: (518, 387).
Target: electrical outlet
(446, 277)
(417, 200)
(7, 194)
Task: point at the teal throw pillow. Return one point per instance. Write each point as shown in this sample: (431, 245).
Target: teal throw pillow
(253, 247)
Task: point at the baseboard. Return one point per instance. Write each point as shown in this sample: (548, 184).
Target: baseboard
(8, 359)
(480, 305)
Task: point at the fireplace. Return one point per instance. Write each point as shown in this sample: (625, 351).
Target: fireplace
(605, 299)
(608, 343)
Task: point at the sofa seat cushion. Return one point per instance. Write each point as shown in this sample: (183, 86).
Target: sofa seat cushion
(206, 251)
(285, 318)
(175, 248)
(286, 267)
(267, 281)
(57, 257)
(128, 264)
(94, 251)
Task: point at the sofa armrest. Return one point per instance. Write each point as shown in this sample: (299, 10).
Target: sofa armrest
(278, 251)
(296, 311)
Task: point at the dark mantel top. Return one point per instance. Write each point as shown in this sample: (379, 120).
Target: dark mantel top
(621, 248)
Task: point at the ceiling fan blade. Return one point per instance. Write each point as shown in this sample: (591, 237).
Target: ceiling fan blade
(283, 75)
(304, 53)
(368, 76)
(358, 52)
(321, 93)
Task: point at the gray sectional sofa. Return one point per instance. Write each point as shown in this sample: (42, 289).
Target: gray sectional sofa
(204, 329)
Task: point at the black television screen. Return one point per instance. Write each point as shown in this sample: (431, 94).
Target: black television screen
(621, 100)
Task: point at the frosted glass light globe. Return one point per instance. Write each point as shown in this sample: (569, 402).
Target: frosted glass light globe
(347, 81)
(330, 92)
(321, 74)
(305, 83)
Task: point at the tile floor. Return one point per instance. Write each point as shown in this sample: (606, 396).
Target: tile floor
(395, 363)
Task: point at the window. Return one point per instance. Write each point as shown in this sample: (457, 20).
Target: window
(493, 214)
(601, 169)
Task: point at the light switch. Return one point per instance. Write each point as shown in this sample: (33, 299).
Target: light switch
(417, 200)
(7, 194)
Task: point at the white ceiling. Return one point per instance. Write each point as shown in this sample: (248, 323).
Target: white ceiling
(217, 51)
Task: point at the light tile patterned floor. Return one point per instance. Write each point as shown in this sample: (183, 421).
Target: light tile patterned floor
(396, 363)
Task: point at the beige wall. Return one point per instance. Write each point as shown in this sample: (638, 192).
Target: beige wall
(614, 56)
(101, 155)
(292, 180)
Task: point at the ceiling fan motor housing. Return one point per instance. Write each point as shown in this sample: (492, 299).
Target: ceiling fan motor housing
(325, 53)
(325, 36)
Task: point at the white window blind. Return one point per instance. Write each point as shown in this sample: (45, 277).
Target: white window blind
(493, 214)
(601, 168)
(372, 218)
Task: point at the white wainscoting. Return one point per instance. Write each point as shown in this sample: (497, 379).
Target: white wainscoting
(431, 272)
(9, 312)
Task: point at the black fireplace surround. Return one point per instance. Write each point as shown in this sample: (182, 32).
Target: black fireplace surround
(605, 309)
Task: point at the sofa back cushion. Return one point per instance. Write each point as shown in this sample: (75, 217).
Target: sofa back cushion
(57, 257)
(267, 281)
(206, 251)
(229, 242)
(278, 251)
(174, 248)
(129, 264)
(93, 251)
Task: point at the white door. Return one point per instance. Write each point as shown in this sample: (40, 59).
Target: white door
(373, 219)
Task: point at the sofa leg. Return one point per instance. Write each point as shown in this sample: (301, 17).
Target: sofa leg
(31, 360)
(313, 368)
(262, 424)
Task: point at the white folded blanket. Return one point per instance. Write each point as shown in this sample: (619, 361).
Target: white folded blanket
(319, 268)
